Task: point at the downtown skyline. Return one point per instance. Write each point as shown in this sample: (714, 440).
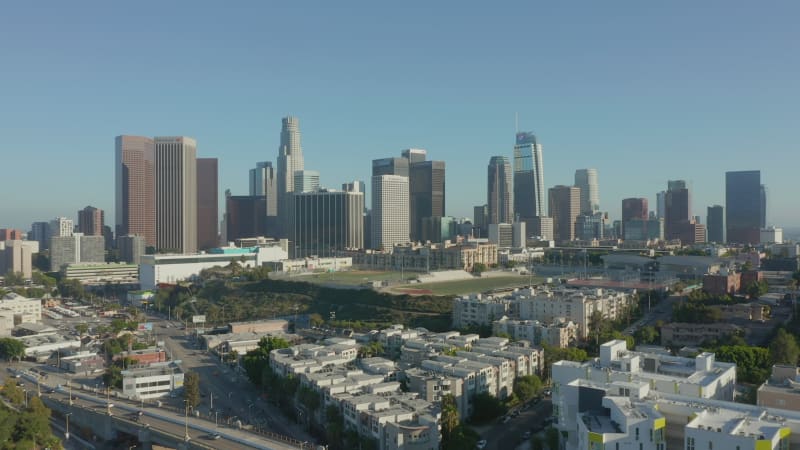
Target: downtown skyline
(628, 109)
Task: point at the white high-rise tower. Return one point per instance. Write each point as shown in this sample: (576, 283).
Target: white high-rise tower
(290, 160)
(176, 194)
(389, 211)
(586, 180)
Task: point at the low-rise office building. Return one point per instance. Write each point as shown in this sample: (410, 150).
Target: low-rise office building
(782, 389)
(681, 334)
(153, 381)
(25, 309)
(101, 273)
(171, 269)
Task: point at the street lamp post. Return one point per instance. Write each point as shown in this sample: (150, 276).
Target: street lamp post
(26, 397)
(186, 421)
(66, 435)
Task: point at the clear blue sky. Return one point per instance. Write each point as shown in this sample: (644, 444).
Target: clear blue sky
(643, 91)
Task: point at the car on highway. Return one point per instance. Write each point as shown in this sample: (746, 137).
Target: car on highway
(481, 444)
(214, 436)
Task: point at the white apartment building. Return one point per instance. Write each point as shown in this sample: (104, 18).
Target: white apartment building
(61, 227)
(25, 310)
(478, 310)
(560, 334)
(636, 373)
(310, 358)
(622, 424)
(575, 305)
(155, 380)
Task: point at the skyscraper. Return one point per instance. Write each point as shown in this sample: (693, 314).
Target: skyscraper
(763, 206)
(499, 191)
(677, 209)
(743, 206)
(633, 209)
(565, 206)
(389, 211)
(480, 221)
(134, 204)
(91, 221)
(716, 224)
(414, 155)
(245, 216)
(326, 221)
(176, 194)
(61, 227)
(390, 166)
(586, 181)
(529, 195)
(290, 160)
(306, 181)
(426, 184)
(661, 205)
(207, 203)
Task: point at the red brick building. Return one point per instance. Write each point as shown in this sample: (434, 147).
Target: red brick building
(10, 234)
(721, 284)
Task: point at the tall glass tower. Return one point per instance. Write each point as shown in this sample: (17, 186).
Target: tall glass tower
(290, 160)
(499, 191)
(528, 177)
(743, 207)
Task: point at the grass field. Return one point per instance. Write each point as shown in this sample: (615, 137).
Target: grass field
(465, 286)
(351, 278)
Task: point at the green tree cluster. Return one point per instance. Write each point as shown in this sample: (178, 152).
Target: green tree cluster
(753, 364)
(783, 349)
(486, 407)
(12, 278)
(256, 361)
(191, 389)
(695, 312)
(11, 349)
(28, 428)
(527, 387)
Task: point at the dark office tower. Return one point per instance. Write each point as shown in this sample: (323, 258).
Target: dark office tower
(290, 160)
(715, 224)
(326, 222)
(426, 197)
(176, 194)
(586, 180)
(480, 221)
(245, 216)
(207, 203)
(565, 207)
(677, 209)
(529, 195)
(134, 202)
(743, 207)
(499, 191)
(263, 181)
(633, 209)
(390, 166)
(91, 221)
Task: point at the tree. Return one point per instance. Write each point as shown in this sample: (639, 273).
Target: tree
(82, 328)
(14, 278)
(71, 288)
(757, 289)
(478, 268)
(316, 319)
(486, 408)
(783, 349)
(527, 387)
(450, 419)
(191, 389)
(11, 349)
(256, 361)
(12, 392)
(552, 437)
(646, 335)
(537, 443)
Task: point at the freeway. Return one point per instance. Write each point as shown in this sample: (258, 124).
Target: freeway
(231, 393)
(173, 423)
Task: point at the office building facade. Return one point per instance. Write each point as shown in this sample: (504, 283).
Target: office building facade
(131, 248)
(61, 227)
(426, 185)
(390, 224)
(565, 205)
(207, 203)
(306, 181)
(245, 216)
(499, 191)
(263, 181)
(586, 181)
(677, 209)
(744, 212)
(325, 222)
(91, 221)
(529, 194)
(390, 166)
(134, 201)
(176, 194)
(715, 224)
